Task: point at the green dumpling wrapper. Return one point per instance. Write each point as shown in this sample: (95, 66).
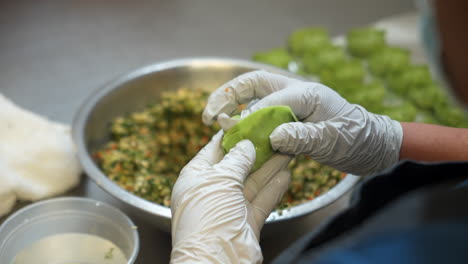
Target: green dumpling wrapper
(257, 128)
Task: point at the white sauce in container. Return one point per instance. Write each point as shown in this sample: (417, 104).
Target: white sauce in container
(71, 248)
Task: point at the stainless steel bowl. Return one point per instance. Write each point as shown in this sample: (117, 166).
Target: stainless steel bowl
(135, 90)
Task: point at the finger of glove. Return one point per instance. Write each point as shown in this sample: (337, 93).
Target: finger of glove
(243, 89)
(226, 122)
(300, 97)
(238, 163)
(300, 138)
(269, 197)
(201, 164)
(257, 180)
(209, 155)
(309, 101)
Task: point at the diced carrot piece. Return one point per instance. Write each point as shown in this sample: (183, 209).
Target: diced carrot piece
(343, 175)
(97, 155)
(144, 131)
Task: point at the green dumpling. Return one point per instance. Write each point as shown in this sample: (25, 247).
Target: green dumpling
(257, 128)
(308, 40)
(277, 57)
(364, 42)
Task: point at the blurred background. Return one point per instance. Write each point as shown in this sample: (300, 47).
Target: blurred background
(54, 53)
(69, 48)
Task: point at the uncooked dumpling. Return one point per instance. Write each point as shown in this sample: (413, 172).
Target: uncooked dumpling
(257, 128)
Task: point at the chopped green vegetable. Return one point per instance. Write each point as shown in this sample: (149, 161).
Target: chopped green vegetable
(364, 42)
(109, 253)
(308, 40)
(150, 147)
(276, 57)
(309, 180)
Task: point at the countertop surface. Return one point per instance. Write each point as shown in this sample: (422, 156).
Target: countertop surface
(54, 53)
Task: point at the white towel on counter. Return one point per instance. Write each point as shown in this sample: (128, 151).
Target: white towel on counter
(37, 157)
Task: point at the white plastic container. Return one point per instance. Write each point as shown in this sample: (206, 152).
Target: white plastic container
(68, 231)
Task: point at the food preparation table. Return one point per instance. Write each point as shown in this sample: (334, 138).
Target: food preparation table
(53, 53)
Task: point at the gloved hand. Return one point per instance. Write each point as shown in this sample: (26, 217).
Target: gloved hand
(333, 131)
(215, 219)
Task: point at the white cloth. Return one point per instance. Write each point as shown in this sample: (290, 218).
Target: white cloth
(214, 218)
(332, 131)
(37, 157)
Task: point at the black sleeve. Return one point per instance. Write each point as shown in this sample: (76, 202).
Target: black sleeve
(372, 196)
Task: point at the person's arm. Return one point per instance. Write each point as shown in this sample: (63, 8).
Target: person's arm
(424, 142)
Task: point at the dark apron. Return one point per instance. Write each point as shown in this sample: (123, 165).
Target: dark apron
(405, 196)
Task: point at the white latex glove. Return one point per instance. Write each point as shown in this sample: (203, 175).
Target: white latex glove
(215, 220)
(333, 131)
(37, 157)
